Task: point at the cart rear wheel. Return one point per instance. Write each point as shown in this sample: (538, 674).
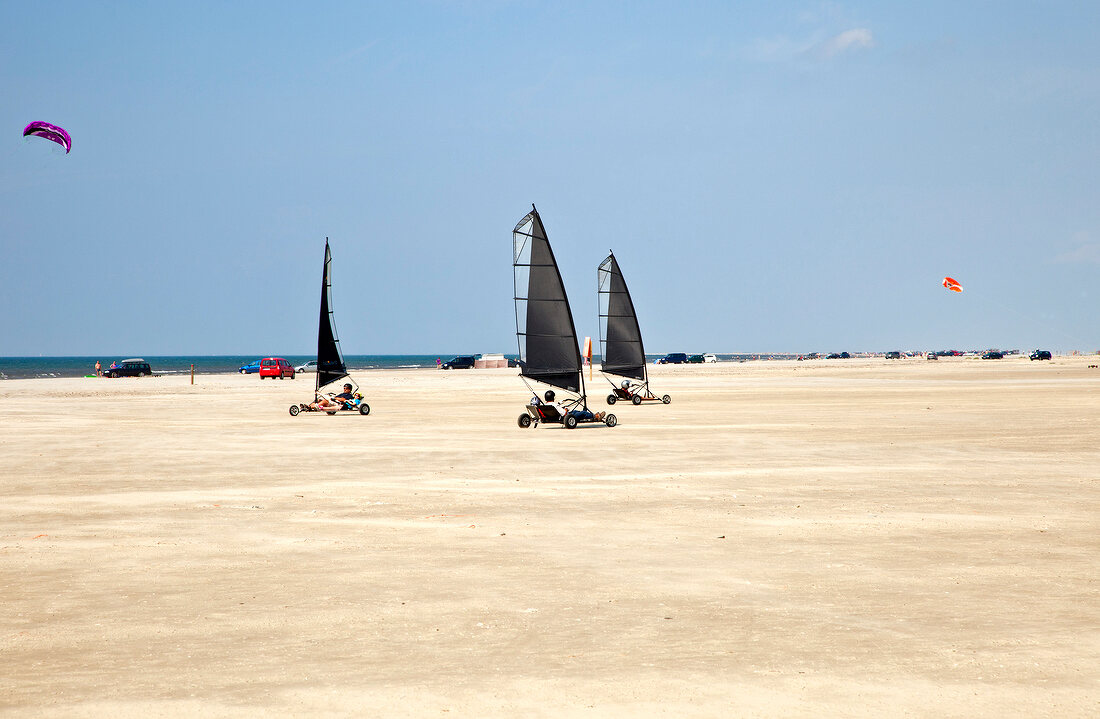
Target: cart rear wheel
(524, 421)
(612, 399)
(570, 421)
(294, 410)
(666, 399)
(611, 420)
(364, 408)
(636, 399)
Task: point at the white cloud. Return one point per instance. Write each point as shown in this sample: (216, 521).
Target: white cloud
(815, 48)
(1086, 253)
(855, 39)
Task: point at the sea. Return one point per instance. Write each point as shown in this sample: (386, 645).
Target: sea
(34, 367)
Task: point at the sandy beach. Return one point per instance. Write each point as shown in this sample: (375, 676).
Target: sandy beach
(833, 538)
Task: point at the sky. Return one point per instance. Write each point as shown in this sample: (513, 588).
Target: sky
(772, 177)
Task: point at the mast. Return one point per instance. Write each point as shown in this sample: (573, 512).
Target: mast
(545, 333)
(621, 335)
(330, 361)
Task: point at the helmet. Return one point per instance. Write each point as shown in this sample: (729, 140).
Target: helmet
(626, 383)
(549, 396)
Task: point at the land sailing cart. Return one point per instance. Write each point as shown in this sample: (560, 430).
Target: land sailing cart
(330, 361)
(547, 337)
(621, 338)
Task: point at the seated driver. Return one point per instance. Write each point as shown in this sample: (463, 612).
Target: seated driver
(344, 399)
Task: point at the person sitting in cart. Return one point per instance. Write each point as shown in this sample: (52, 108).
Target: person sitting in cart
(582, 414)
(345, 400)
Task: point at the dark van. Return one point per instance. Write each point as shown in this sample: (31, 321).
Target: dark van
(135, 367)
(674, 358)
(459, 362)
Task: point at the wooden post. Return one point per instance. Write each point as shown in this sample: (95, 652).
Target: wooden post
(192, 374)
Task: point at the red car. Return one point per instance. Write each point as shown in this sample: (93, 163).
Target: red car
(276, 367)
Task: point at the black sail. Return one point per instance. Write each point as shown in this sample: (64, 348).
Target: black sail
(620, 335)
(547, 338)
(330, 363)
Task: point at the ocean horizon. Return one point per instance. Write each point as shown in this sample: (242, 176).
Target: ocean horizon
(83, 365)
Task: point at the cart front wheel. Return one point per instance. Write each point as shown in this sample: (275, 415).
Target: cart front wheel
(636, 399)
(570, 422)
(666, 399)
(524, 421)
(610, 420)
(294, 410)
(364, 408)
(612, 399)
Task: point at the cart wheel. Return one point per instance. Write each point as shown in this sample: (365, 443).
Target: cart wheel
(636, 399)
(666, 399)
(524, 421)
(570, 421)
(612, 399)
(364, 408)
(330, 412)
(610, 420)
(294, 410)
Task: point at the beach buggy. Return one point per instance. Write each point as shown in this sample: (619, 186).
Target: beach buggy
(548, 351)
(621, 337)
(330, 361)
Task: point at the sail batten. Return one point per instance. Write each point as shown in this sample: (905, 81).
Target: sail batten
(620, 334)
(330, 361)
(545, 333)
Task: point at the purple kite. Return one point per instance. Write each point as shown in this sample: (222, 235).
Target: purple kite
(53, 133)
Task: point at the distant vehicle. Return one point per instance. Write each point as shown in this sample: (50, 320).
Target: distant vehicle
(310, 366)
(276, 367)
(708, 358)
(673, 358)
(842, 355)
(695, 359)
(135, 367)
(250, 368)
(993, 354)
(459, 362)
(893, 355)
(813, 355)
(932, 356)
(1039, 355)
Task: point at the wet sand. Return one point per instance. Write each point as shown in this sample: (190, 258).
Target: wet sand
(829, 538)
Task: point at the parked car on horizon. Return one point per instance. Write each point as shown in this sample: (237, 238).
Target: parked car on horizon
(310, 366)
(695, 359)
(708, 358)
(135, 367)
(1039, 355)
(673, 358)
(459, 362)
(893, 355)
(251, 368)
(931, 356)
(276, 367)
(993, 354)
(841, 355)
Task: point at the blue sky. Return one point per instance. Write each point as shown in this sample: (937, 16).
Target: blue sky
(771, 176)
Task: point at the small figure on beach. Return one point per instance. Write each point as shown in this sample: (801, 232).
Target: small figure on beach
(438, 362)
(114, 365)
(98, 369)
